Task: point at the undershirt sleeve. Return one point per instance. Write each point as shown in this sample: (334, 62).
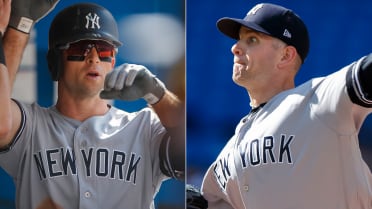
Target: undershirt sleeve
(172, 160)
(358, 82)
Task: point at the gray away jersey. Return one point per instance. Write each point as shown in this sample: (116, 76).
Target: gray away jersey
(300, 151)
(108, 161)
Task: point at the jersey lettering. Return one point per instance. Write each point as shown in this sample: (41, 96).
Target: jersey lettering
(221, 171)
(284, 149)
(68, 161)
(103, 162)
(118, 161)
(87, 160)
(253, 153)
(40, 166)
(132, 168)
(257, 152)
(51, 155)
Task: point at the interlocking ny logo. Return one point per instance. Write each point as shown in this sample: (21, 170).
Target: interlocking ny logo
(92, 21)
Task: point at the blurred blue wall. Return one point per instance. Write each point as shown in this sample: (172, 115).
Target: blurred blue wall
(340, 32)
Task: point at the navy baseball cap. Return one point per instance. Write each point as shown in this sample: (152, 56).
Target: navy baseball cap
(273, 20)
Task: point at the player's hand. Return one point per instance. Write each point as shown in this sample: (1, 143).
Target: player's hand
(4, 14)
(25, 13)
(195, 199)
(131, 82)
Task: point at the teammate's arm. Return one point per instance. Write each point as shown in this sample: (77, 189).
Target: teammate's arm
(359, 84)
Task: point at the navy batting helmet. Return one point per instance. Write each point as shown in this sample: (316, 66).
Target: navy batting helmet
(83, 21)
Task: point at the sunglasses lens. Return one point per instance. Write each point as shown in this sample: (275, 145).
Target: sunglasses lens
(79, 50)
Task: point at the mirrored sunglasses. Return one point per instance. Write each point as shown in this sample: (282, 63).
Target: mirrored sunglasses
(77, 51)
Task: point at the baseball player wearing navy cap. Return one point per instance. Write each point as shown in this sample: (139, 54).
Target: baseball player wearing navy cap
(83, 152)
(298, 147)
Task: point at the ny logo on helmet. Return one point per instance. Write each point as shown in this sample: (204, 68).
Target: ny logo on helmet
(92, 21)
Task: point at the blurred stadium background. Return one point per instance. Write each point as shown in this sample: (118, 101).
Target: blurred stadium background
(340, 32)
(153, 34)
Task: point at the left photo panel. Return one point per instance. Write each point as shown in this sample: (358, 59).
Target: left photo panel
(93, 104)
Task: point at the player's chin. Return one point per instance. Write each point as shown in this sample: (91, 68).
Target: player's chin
(239, 77)
(237, 71)
(240, 82)
(236, 78)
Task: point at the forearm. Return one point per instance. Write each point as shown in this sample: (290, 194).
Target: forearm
(5, 103)
(14, 45)
(171, 110)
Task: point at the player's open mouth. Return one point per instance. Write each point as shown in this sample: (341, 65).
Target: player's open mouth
(93, 74)
(238, 66)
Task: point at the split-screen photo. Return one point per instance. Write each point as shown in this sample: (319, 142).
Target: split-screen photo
(185, 104)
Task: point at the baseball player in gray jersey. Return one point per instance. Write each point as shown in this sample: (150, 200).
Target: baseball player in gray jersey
(83, 152)
(298, 147)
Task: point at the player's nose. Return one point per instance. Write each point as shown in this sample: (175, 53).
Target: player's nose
(235, 49)
(93, 56)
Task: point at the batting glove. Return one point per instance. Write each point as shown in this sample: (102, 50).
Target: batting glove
(131, 82)
(25, 13)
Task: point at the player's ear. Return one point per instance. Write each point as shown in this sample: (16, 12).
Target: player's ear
(113, 61)
(288, 56)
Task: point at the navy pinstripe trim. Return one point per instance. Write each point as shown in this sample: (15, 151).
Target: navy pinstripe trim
(19, 131)
(165, 161)
(354, 87)
(165, 164)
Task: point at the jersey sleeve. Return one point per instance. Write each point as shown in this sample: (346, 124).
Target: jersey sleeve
(158, 134)
(359, 86)
(339, 102)
(19, 131)
(11, 155)
(167, 153)
(215, 190)
(172, 155)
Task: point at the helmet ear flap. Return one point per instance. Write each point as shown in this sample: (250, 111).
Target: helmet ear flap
(55, 65)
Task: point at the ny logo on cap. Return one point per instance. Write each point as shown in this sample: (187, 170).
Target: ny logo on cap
(254, 10)
(92, 21)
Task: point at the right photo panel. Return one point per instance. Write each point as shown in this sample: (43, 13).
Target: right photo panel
(278, 104)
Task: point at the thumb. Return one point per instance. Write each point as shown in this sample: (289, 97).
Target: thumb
(108, 94)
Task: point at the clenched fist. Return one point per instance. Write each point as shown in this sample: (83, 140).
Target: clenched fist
(131, 82)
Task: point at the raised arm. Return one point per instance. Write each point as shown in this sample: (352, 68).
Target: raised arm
(4, 76)
(9, 113)
(15, 43)
(130, 82)
(17, 19)
(24, 15)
